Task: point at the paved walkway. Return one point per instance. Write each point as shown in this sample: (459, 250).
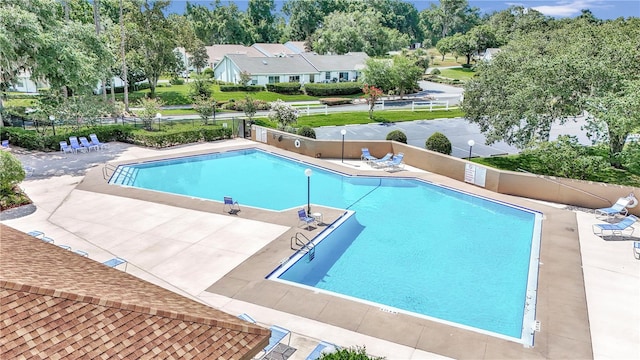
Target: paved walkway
(169, 243)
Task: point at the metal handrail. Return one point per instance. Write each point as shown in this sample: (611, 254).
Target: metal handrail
(308, 245)
(105, 170)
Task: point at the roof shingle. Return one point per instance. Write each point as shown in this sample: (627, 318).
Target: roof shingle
(56, 303)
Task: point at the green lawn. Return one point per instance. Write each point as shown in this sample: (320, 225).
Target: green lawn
(457, 73)
(362, 117)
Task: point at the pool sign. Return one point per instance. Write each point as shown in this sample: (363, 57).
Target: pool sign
(475, 174)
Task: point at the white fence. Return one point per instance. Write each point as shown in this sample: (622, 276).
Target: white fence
(423, 104)
(311, 108)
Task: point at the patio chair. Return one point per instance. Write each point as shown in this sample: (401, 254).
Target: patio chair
(5, 145)
(115, 262)
(230, 206)
(48, 240)
(84, 142)
(75, 145)
(322, 348)
(618, 229)
(65, 148)
(620, 207)
(395, 163)
(636, 250)
(95, 141)
(277, 334)
(36, 234)
(366, 156)
(305, 219)
(380, 163)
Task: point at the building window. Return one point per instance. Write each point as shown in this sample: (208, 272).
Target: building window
(254, 82)
(344, 76)
(274, 79)
(294, 78)
(312, 78)
(327, 76)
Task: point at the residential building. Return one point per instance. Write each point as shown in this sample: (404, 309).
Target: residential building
(303, 68)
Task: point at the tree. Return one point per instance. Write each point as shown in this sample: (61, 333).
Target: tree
(200, 86)
(199, 57)
(451, 16)
(282, 113)
(153, 40)
(305, 16)
(150, 108)
(344, 32)
(12, 173)
(405, 74)
(552, 75)
(444, 46)
(250, 107)
(205, 107)
(378, 73)
(373, 94)
(260, 14)
(463, 45)
(230, 25)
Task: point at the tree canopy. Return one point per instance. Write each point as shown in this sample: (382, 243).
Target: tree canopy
(553, 74)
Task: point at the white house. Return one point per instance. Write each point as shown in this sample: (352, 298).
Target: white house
(490, 53)
(24, 83)
(302, 68)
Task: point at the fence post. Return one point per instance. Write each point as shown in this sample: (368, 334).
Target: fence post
(325, 109)
(447, 105)
(430, 105)
(413, 106)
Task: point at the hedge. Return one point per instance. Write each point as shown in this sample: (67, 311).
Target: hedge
(238, 87)
(344, 88)
(32, 140)
(284, 88)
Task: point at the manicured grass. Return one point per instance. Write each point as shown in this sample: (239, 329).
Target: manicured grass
(362, 117)
(522, 162)
(18, 102)
(457, 73)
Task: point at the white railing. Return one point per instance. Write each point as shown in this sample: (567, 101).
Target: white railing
(429, 104)
(309, 108)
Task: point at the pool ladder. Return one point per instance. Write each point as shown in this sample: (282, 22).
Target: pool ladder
(303, 243)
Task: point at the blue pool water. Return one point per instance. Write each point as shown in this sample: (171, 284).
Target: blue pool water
(409, 245)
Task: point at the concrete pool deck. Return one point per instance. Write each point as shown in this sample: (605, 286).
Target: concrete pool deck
(587, 294)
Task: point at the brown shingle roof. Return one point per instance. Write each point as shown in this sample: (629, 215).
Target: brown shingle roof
(56, 303)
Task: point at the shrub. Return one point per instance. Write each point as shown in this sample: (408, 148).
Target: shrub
(467, 66)
(12, 172)
(565, 157)
(176, 81)
(284, 88)
(438, 142)
(240, 87)
(307, 131)
(335, 101)
(397, 135)
(435, 71)
(208, 72)
(345, 88)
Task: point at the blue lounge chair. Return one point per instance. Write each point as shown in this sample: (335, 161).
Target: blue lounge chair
(95, 141)
(115, 262)
(620, 207)
(36, 234)
(304, 219)
(395, 163)
(322, 348)
(366, 156)
(65, 148)
(48, 239)
(230, 206)
(277, 334)
(618, 229)
(66, 247)
(636, 249)
(81, 253)
(75, 145)
(5, 145)
(84, 142)
(380, 163)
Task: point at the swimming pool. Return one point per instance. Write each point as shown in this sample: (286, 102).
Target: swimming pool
(435, 252)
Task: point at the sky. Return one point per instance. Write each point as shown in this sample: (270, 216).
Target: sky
(601, 9)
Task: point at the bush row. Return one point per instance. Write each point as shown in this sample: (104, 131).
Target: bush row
(32, 140)
(284, 88)
(345, 88)
(239, 87)
(335, 101)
